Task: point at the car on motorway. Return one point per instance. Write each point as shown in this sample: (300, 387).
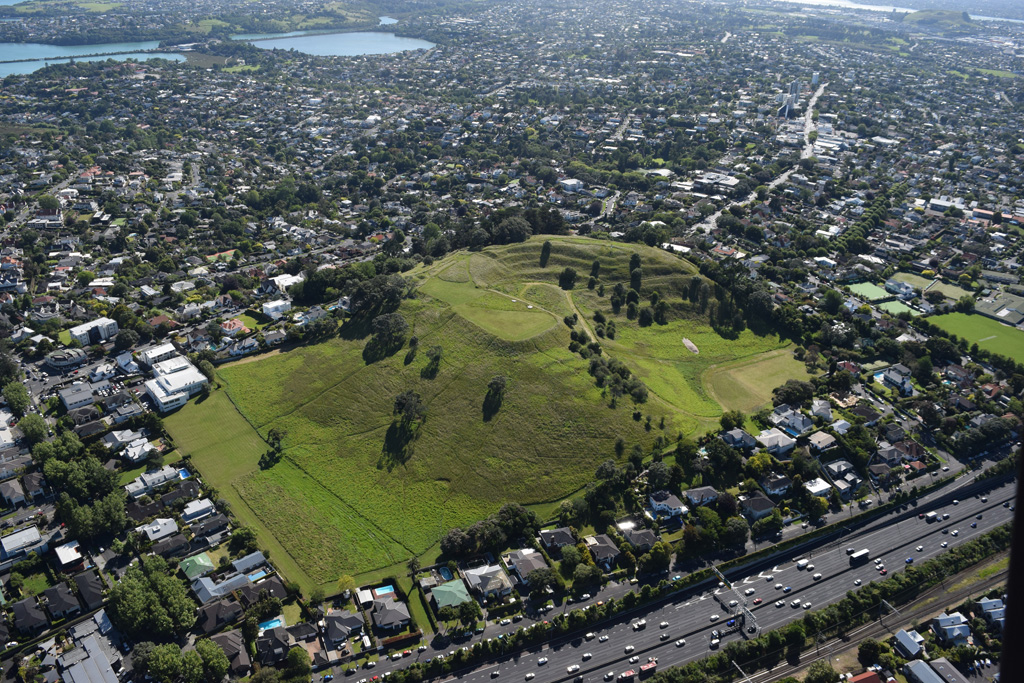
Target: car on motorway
(629, 648)
(634, 659)
(810, 567)
(778, 586)
(714, 643)
(807, 605)
(733, 603)
(681, 642)
(787, 589)
(664, 636)
(609, 676)
(542, 661)
(909, 560)
(817, 577)
(974, 525)
(602, 639)
(945, 544)
(1006, 504)
(530, 676)
(749, 591)
(715, 633)
(884, 571)
(956, 502)
(857, 582)
(572, 668)
(715, 617)
(779, 603)
(494, 674)
(945, 515)
(586, 656)
(730, 623)
(954, 532)
(978, 517)
(984, 499)
(589, 636)
(758, 601)
(769, 578)
(663, 624)
(851, 550)
(920, 548)
(878, 561)
(795, 604)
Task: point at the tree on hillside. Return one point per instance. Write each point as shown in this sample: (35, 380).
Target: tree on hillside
(732, 419)
(545, 254)
(409, 407)
(567, 278)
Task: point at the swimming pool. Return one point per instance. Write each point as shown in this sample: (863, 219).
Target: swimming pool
(272, 623)
(184, 474)
(445, 573)
(258, 575)
(384, 590)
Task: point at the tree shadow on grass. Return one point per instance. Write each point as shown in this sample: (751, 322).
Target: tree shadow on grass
(492, 404)
(398, 446)
(378, 349)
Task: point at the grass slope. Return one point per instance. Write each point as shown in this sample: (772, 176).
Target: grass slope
(747, 385)
(340, 502)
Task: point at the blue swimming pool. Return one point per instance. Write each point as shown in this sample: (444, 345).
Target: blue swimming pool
(258, 575)
(445, 573)
(384, 590)
(272, 623)
(184, 474)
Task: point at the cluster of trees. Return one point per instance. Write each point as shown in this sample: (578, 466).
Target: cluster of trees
(511, 522)
(150, 603)
(989, 434)
(613, 375)
(91, 502)
(168, 664)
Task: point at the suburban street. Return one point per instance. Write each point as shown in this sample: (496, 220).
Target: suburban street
(892, 538)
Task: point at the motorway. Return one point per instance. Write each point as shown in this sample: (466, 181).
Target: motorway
(892, 538)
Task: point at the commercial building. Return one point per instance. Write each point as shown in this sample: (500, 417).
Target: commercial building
(94, 332)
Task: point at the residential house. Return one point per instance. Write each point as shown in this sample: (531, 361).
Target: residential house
(159, 528)
(776, 484)
(390, 614)
(641, 539)
(818, 487)
(951, 629)
(738, 438)
(69, 557)
(756, 506)
(821, 408)
(61, 602)
(216, 615)
(488, 581)
(909, 644)
(197, 509)
(892, 378)
(94, 332)
(234, 648)
(90, 589)
(994, 611)
(821, 441)
(557, 538)
(12, 492)
(33, 484)
(233, 328)
(28, 618)
(701, 495)
(249, 593)
(604, 551)
(450, 594)
(776, 442)
(341, 625)
(272, 645)
(174, 545)
(275, 309)
(917, 671)
(524, 562)
(668, 504)
(869, 416)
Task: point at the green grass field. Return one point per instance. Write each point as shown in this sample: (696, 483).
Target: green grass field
(869, 291)
(341, 501)
(923, 283)
(747, 385)
(897, 307)
(985, 332)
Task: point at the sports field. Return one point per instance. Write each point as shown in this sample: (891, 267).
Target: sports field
(985, 332)
(923, 283)
(345, 500)
(869, 291)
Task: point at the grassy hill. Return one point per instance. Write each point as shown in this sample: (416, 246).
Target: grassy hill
(338, 502)
(946, 20)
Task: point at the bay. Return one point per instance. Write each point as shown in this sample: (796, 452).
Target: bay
(13, 68)
(343, 44)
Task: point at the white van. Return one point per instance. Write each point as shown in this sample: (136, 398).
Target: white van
(802, 564)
